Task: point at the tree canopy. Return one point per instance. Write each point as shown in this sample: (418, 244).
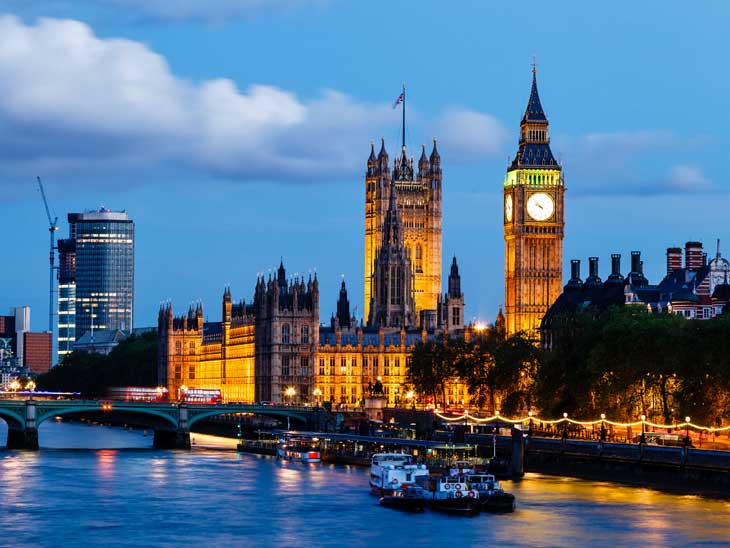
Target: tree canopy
(132, 363)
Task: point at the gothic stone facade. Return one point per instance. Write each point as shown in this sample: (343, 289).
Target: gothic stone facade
(419, 204)
(262, 349)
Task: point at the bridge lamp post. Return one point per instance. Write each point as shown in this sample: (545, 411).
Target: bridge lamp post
(317, 394)
(603, 427)
(409, 396)
(686, 431)
(30, 386)
(643, 429)
(290, 392)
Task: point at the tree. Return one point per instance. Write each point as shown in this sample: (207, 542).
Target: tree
(132, 363)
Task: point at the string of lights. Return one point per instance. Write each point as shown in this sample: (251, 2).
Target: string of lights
(565, 419)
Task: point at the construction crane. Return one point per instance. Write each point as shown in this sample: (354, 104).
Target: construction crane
(52, 228)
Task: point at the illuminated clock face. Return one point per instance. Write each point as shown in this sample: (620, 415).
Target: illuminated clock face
(508, 208)
(540, 206)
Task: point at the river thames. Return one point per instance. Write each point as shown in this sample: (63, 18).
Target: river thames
(98, 486)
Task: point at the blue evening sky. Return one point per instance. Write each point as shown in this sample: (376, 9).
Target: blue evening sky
(236, 132)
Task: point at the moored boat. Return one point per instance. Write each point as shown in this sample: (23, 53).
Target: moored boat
(410, 498)
(390, 472)
(492, 498)
(298, 449)
(452, 495)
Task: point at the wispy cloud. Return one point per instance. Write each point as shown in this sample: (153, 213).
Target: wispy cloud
(165, 11)
(638, 162)
(72, 101)
(686, 178)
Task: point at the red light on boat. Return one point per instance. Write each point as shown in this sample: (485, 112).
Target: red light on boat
(313, 455)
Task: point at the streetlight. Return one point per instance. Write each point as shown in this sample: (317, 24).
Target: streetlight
(686, 424)
(603, 427)
(565, 426)
(643, 429)
(290, 393)
(529, 428)
(409, 396)
(317, 393)
(14, 385)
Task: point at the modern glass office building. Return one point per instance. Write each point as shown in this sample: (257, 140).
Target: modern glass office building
(104, 270)
(66, 296)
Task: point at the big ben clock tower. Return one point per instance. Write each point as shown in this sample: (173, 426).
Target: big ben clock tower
(533, 223)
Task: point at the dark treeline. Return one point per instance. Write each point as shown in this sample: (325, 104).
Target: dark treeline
(132, 363)
(622, 361)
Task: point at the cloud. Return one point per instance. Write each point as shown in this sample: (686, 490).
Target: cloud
(72, 102)
(469, 135)
(628, 162)
(175, 11)
(684, 178)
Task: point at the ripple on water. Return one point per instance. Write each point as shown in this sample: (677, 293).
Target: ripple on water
(130, 497)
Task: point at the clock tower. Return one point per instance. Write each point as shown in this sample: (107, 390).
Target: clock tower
(533, 216)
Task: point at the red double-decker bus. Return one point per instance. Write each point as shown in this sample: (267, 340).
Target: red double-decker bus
(200, 395)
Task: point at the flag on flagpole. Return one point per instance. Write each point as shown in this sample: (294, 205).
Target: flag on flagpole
(399, 100)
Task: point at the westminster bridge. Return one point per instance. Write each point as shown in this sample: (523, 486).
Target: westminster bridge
(171, 422)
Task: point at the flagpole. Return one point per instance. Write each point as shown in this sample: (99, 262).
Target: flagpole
(404, 115)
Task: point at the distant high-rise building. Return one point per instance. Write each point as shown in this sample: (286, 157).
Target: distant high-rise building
(27, 349)
(66, 296)
(101, 264)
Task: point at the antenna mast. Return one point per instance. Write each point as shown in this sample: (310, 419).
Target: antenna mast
(404, 117)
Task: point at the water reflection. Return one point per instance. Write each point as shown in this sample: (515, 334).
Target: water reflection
(212, 496)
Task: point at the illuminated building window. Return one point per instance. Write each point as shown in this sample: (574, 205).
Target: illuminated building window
(304, 365)
(285, 366)
(285, 334)
(178, 347)
(178, 373)
(386, 366)
(321, 367)
(305, 334)
(191, 372)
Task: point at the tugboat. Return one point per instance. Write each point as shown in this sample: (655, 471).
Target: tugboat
(390, 472)
(452, 495)
(298, 449)
(410, 499)
(492, 498)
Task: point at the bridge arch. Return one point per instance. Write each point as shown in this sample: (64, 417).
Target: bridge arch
(12, 418)
(273, 413)
(168, 419)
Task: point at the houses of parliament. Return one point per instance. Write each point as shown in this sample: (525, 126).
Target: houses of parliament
(276, 348)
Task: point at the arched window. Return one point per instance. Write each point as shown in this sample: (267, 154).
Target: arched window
(419, 258)
(285, 334)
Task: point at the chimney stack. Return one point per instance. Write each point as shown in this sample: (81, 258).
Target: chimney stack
(593, 278)
(693, 256)
(674, 259)
(575, 282)
(615, 278)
